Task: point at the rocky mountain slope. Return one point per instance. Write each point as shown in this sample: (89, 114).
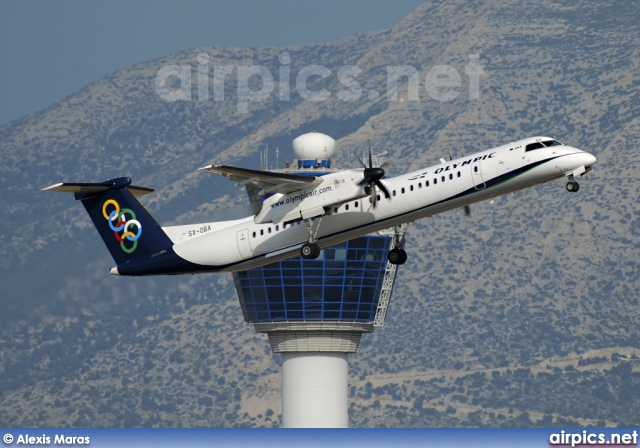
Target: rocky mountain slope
(525, 313)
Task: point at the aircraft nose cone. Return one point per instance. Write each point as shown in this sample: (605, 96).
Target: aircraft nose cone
(589, 159)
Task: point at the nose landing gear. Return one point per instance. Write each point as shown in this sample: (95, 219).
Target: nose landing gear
(572, 185)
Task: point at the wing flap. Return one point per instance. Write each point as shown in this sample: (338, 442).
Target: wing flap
(267, 181)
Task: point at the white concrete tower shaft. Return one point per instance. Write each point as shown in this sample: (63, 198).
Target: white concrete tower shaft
(315, 390)
(315, 370)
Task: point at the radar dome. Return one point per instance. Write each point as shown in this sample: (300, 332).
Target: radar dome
(314, 145)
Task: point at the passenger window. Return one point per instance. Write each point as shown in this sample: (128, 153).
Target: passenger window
(426, 183)
(402, 190)
(346, 206)
(443, 178)
(277, 228)
(435, 181)
(269, 230)
(356, 204)
(394, 192)
(450, 176)
(411, 187)
(475, 169)
(254, 234)
(261, 232)
(459, 174)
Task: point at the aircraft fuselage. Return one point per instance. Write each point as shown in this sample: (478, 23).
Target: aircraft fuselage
(277, 232)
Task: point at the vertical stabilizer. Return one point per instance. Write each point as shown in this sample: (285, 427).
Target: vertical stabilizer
(127, 229)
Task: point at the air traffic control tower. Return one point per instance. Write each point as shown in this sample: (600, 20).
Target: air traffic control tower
(316, 310)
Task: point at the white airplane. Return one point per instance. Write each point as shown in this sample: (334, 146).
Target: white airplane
(301, 215)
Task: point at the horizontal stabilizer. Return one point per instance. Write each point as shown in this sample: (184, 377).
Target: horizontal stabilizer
(91, 188)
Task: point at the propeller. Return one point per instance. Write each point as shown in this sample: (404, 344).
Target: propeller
(467, 209)
(372, 178)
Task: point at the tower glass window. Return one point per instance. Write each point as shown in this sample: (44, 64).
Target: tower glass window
(343, 284)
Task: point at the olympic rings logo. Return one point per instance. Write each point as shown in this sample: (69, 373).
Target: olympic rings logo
(119, 216)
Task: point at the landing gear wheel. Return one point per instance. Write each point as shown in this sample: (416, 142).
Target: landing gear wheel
(397, 256)
(310, 251)
(573, 186)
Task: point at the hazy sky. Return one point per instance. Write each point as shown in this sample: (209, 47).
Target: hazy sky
(49, 50)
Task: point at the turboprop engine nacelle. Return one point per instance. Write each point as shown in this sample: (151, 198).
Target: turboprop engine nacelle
(334, 190)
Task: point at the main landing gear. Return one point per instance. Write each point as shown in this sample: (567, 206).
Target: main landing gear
(397, 256)
(572, 185)
(310, 250)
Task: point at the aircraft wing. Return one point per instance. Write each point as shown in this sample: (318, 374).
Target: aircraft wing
(267, 181)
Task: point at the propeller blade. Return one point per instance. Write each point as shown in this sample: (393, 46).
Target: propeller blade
(383, 188)
(467, 210)
(371, 177)
(361, 162)
(374, 195)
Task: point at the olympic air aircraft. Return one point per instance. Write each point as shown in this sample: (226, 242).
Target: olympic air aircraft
(301, 215)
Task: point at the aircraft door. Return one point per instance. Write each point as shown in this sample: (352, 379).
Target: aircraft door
(476, 174)
(244, 246)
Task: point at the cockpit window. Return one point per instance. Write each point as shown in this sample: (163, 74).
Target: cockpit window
(552, 143)
(532, 146)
